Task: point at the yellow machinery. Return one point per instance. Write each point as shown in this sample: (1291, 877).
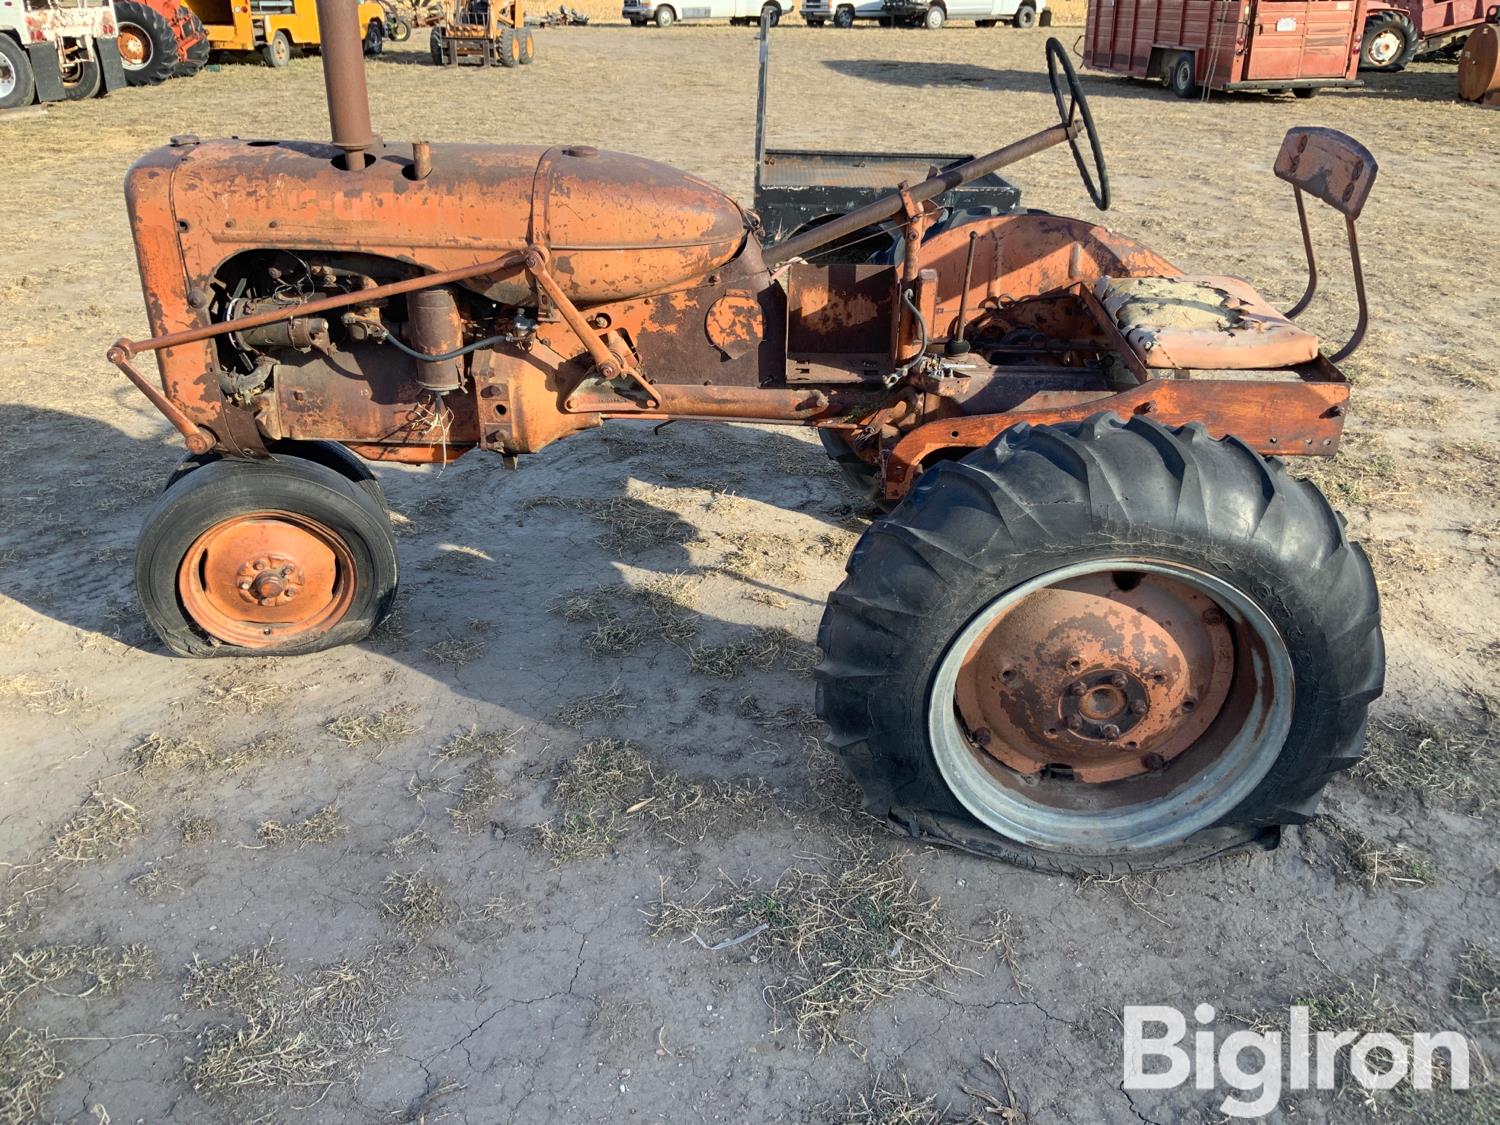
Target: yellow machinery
(488, 31)
(277, 28)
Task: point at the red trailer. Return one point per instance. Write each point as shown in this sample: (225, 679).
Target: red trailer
(1198, 45)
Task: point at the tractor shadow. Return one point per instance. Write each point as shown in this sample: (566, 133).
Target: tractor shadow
(486, 554)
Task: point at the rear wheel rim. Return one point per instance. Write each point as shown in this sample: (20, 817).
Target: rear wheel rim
(1114, 705)
(135, 47)
(1386, 46)
(8, 80)
(264, 578)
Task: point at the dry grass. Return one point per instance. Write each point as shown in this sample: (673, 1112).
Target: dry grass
(760, 554)
(99, 830)
(1477, 981)
(1440, 764)
(885, 1103)
(607, 704)
(381, 728)
(1375, 864)
(295, 1035)
(197, 829)
(455, 652)
(418, 839)
(765, 648)
(475, 743)
(627, 616)
(70, 970)
(159, 753)
(609, 787)
(843, 937)
(415, 904)
(154, 883)
(481, 789)
(792, 717)
(28, 1072)
(1365, 474)
(43, 695)
(631, 523)
(248, 687)
(323, 827)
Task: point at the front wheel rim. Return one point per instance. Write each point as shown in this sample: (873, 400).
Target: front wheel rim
(1384, 47)
(1084, 673)
(135, 47)
(8, 80)
(264, 578)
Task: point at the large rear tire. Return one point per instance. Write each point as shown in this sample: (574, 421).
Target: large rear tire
(254, 558)
(197, 54)
(1102, 647)
(148, 47)
(1389, 42)
(81, 79)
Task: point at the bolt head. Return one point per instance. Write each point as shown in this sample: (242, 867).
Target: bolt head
(1077, 687)
(1074, 722)
(1118, 680)
(1153, 761)
(1139, 707)
(1110, 731)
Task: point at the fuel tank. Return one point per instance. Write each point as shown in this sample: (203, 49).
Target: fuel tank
(617, 226)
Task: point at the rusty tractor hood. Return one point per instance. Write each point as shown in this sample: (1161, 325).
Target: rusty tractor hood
(616, 225)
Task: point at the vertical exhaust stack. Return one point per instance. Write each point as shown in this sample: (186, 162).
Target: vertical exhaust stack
(344, 80)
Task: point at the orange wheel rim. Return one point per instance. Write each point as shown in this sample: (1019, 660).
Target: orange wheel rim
(264, 578)
(134, 48)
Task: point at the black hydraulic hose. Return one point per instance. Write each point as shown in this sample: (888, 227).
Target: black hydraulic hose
(425, 357)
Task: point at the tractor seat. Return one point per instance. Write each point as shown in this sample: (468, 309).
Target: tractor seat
(1207, 323)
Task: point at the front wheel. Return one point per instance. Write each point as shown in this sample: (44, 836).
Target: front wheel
(772, 14)
(374, 39)
(278, 51)
(17, 82)
(1102, 647)
(935, 18)
(844, 18)
(1025, 17)
(400, 30)
(254, 558)
(437, 47)
(665, 17)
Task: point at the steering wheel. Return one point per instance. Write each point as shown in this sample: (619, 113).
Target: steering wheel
(1077, 105)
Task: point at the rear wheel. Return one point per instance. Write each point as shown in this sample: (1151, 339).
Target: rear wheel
(1025, 17)
(374, 39)
(843, 18)
(1389, 42)
(437, 47)
(1102, 647)
(400, 30)
(278, 52)
(1183, 77)
(285, 556)
(81, 77)
(17, 83)
(148, 47)
(509, 48)
(527, 46)
(771, 12)
(665, 16)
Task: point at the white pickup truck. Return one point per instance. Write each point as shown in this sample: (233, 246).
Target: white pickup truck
(664, 13)
(924, 13)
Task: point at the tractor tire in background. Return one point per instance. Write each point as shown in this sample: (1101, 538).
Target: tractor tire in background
(197, 54)
(17, 82)
(1025, 17)
(436, 47)
(400, 30)
(148, 46)
(278, 52)
(374, 41)
(1389, 42)
(527, 47)
(509, 47)
(243, 558)
(1102, 647)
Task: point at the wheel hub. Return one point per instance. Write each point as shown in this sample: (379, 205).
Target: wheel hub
(1097, 679)
(263, 578)
(135, 48)
(1384, 47)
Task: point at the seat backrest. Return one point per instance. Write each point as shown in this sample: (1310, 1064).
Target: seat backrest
(1328, 164)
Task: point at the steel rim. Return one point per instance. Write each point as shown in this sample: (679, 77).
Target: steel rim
(264, 578)
(8, 79)
(1080, 663)
(1385, 46)
(135, 47)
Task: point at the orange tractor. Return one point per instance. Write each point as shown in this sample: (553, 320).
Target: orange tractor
(1100, 626)
(159, 39)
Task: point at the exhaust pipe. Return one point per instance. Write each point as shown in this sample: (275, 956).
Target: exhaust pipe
(344, 80)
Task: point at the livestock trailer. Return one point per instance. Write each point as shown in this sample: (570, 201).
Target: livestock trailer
(1198, 45)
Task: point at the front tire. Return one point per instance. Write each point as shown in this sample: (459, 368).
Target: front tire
(400, 30)
(148, 47)
(254, 558)
(772, 13)
(843, 18)
(1102, 647)
(1025, 17)
(17, 82)
(278, 52)
(437, 47)
(665, 17)
(935, 18)
(1389, 42)
(374, 39)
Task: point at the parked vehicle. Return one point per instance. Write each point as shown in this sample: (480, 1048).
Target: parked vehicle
(159, 39)
(664, 13)
(1197, 45)
(55, 50)
(277, 28)
(1102, 627)
(932, 14)
(841, 13)
(489, 32)
(1397, 31)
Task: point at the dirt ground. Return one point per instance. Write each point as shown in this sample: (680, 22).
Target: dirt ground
(480, 868)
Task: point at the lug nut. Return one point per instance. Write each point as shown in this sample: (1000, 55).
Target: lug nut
(1153, 761)
(1075, 723)
(1110, 731)
(1077, 687)
(1118, 680)
(1138, 707)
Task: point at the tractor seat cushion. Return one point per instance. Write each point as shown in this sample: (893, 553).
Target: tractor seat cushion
(1209, 323)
